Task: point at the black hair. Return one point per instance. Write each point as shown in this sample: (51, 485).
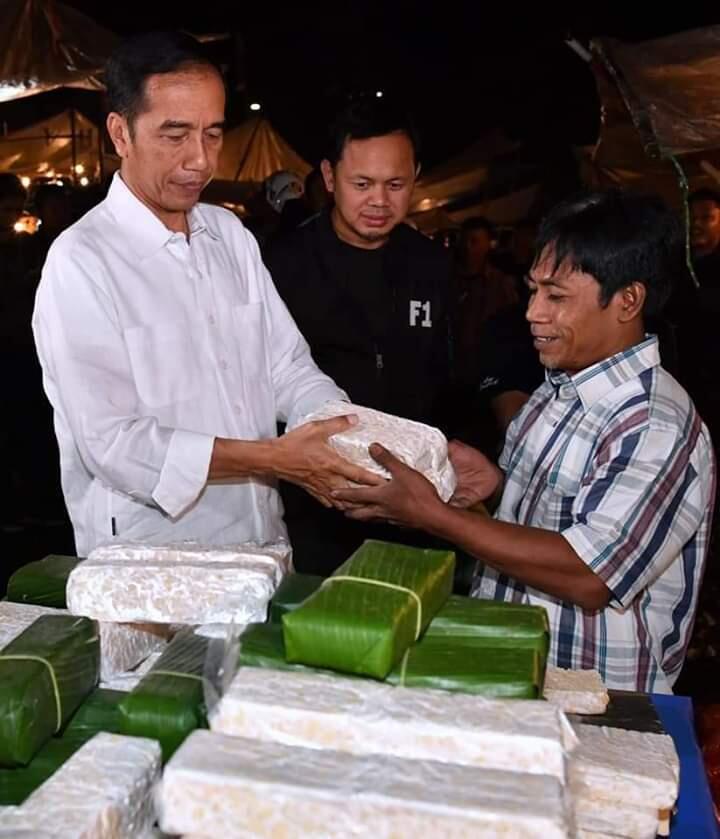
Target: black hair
(365, 118)
(11, 187)
(477, 223)
(618, 238)
(150, 54)
(705, 194)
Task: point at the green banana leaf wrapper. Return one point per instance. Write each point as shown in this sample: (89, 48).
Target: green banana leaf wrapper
(169, 702)
(460, 617)
(42, 583)
(31, 710)
(364, 627)
(292, 592)
(441, 663)
(99, 712)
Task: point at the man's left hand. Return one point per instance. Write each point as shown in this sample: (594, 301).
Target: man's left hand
(407, 499)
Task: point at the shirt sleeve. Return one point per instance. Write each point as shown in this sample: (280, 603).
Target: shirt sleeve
(642, 501)
(88, 380)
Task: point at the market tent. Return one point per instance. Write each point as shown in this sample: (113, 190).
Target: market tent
(45, 45)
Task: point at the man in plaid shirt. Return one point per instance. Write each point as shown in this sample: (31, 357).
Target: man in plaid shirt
(606, 483)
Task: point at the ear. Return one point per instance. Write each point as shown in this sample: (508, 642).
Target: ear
(119, 132)
(328, 175)
(631, 301)
(417, 170)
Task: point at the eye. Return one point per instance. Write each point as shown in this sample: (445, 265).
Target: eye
(215, 134)
(555, 298)
(361, 184)
(395, 185)
(176, 138)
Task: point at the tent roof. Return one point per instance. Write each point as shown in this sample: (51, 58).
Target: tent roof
(660, 99)
(47, 145)
(462, 175)
(254, 150)
(45, 45)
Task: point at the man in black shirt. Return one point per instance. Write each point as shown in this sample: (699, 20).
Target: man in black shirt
(370, 295)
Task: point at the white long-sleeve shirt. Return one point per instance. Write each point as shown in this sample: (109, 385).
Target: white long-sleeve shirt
(151, 346)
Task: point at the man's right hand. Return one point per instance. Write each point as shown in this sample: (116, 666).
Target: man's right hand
(478, 479)
(304, 457)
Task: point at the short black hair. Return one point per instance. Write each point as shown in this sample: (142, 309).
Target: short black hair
(369, 117)
(618, 238)
(150, 54)
(478, 223)
(705, 194)
(11, 187)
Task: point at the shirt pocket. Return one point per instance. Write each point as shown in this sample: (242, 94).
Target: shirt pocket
(250, 338)
(166, 362)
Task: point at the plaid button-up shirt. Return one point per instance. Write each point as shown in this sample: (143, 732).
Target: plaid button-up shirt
(617, 460)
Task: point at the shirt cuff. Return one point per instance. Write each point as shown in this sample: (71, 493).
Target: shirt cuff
(599, 555)
(184, 472)
(316, 398)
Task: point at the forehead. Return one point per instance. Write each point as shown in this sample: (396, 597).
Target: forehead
(704, 207)
(180, 95)
(545, 272)
(389, 155)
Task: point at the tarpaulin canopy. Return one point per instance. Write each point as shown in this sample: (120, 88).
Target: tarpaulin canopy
(660, 103)
(45, 45)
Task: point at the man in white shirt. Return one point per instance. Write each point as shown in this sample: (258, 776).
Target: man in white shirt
(167, 354)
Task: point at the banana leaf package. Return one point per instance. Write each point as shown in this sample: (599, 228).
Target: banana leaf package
(292, 592)
(169, 702)
(99, 712)
(45, 673)
(42, 583)
(378, 602)
(461, 665)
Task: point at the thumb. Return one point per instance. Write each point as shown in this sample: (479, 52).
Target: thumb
(385, 458)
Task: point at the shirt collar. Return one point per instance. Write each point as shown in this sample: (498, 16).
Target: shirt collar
(595, 382)
(146, 233)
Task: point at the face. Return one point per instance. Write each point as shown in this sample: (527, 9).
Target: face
(372, 184)
(172, 151)
(704, 226)
(571, 330)
(477, 248)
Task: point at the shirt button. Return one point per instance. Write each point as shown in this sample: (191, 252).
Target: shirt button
(211, 320)
(223, 365)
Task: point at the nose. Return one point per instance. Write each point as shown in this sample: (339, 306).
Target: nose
(537, 309)
(379, 195)
(198, 157)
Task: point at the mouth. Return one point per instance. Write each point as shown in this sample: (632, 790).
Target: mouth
(541, 342)
(376, 221)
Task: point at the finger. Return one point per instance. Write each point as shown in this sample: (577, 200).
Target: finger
(357, 495)
(320, 498)
(386, 459)
(363, 514)
(356, 474)
(335, 425)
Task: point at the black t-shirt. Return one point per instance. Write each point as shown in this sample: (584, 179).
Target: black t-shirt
(361, 271)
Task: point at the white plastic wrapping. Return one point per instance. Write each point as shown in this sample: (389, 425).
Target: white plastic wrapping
(237, 788)
(122, 646)
(104, 791)
(626, 767)
(576, 691)
(362, 717)
(420, 446)
(185, 583)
